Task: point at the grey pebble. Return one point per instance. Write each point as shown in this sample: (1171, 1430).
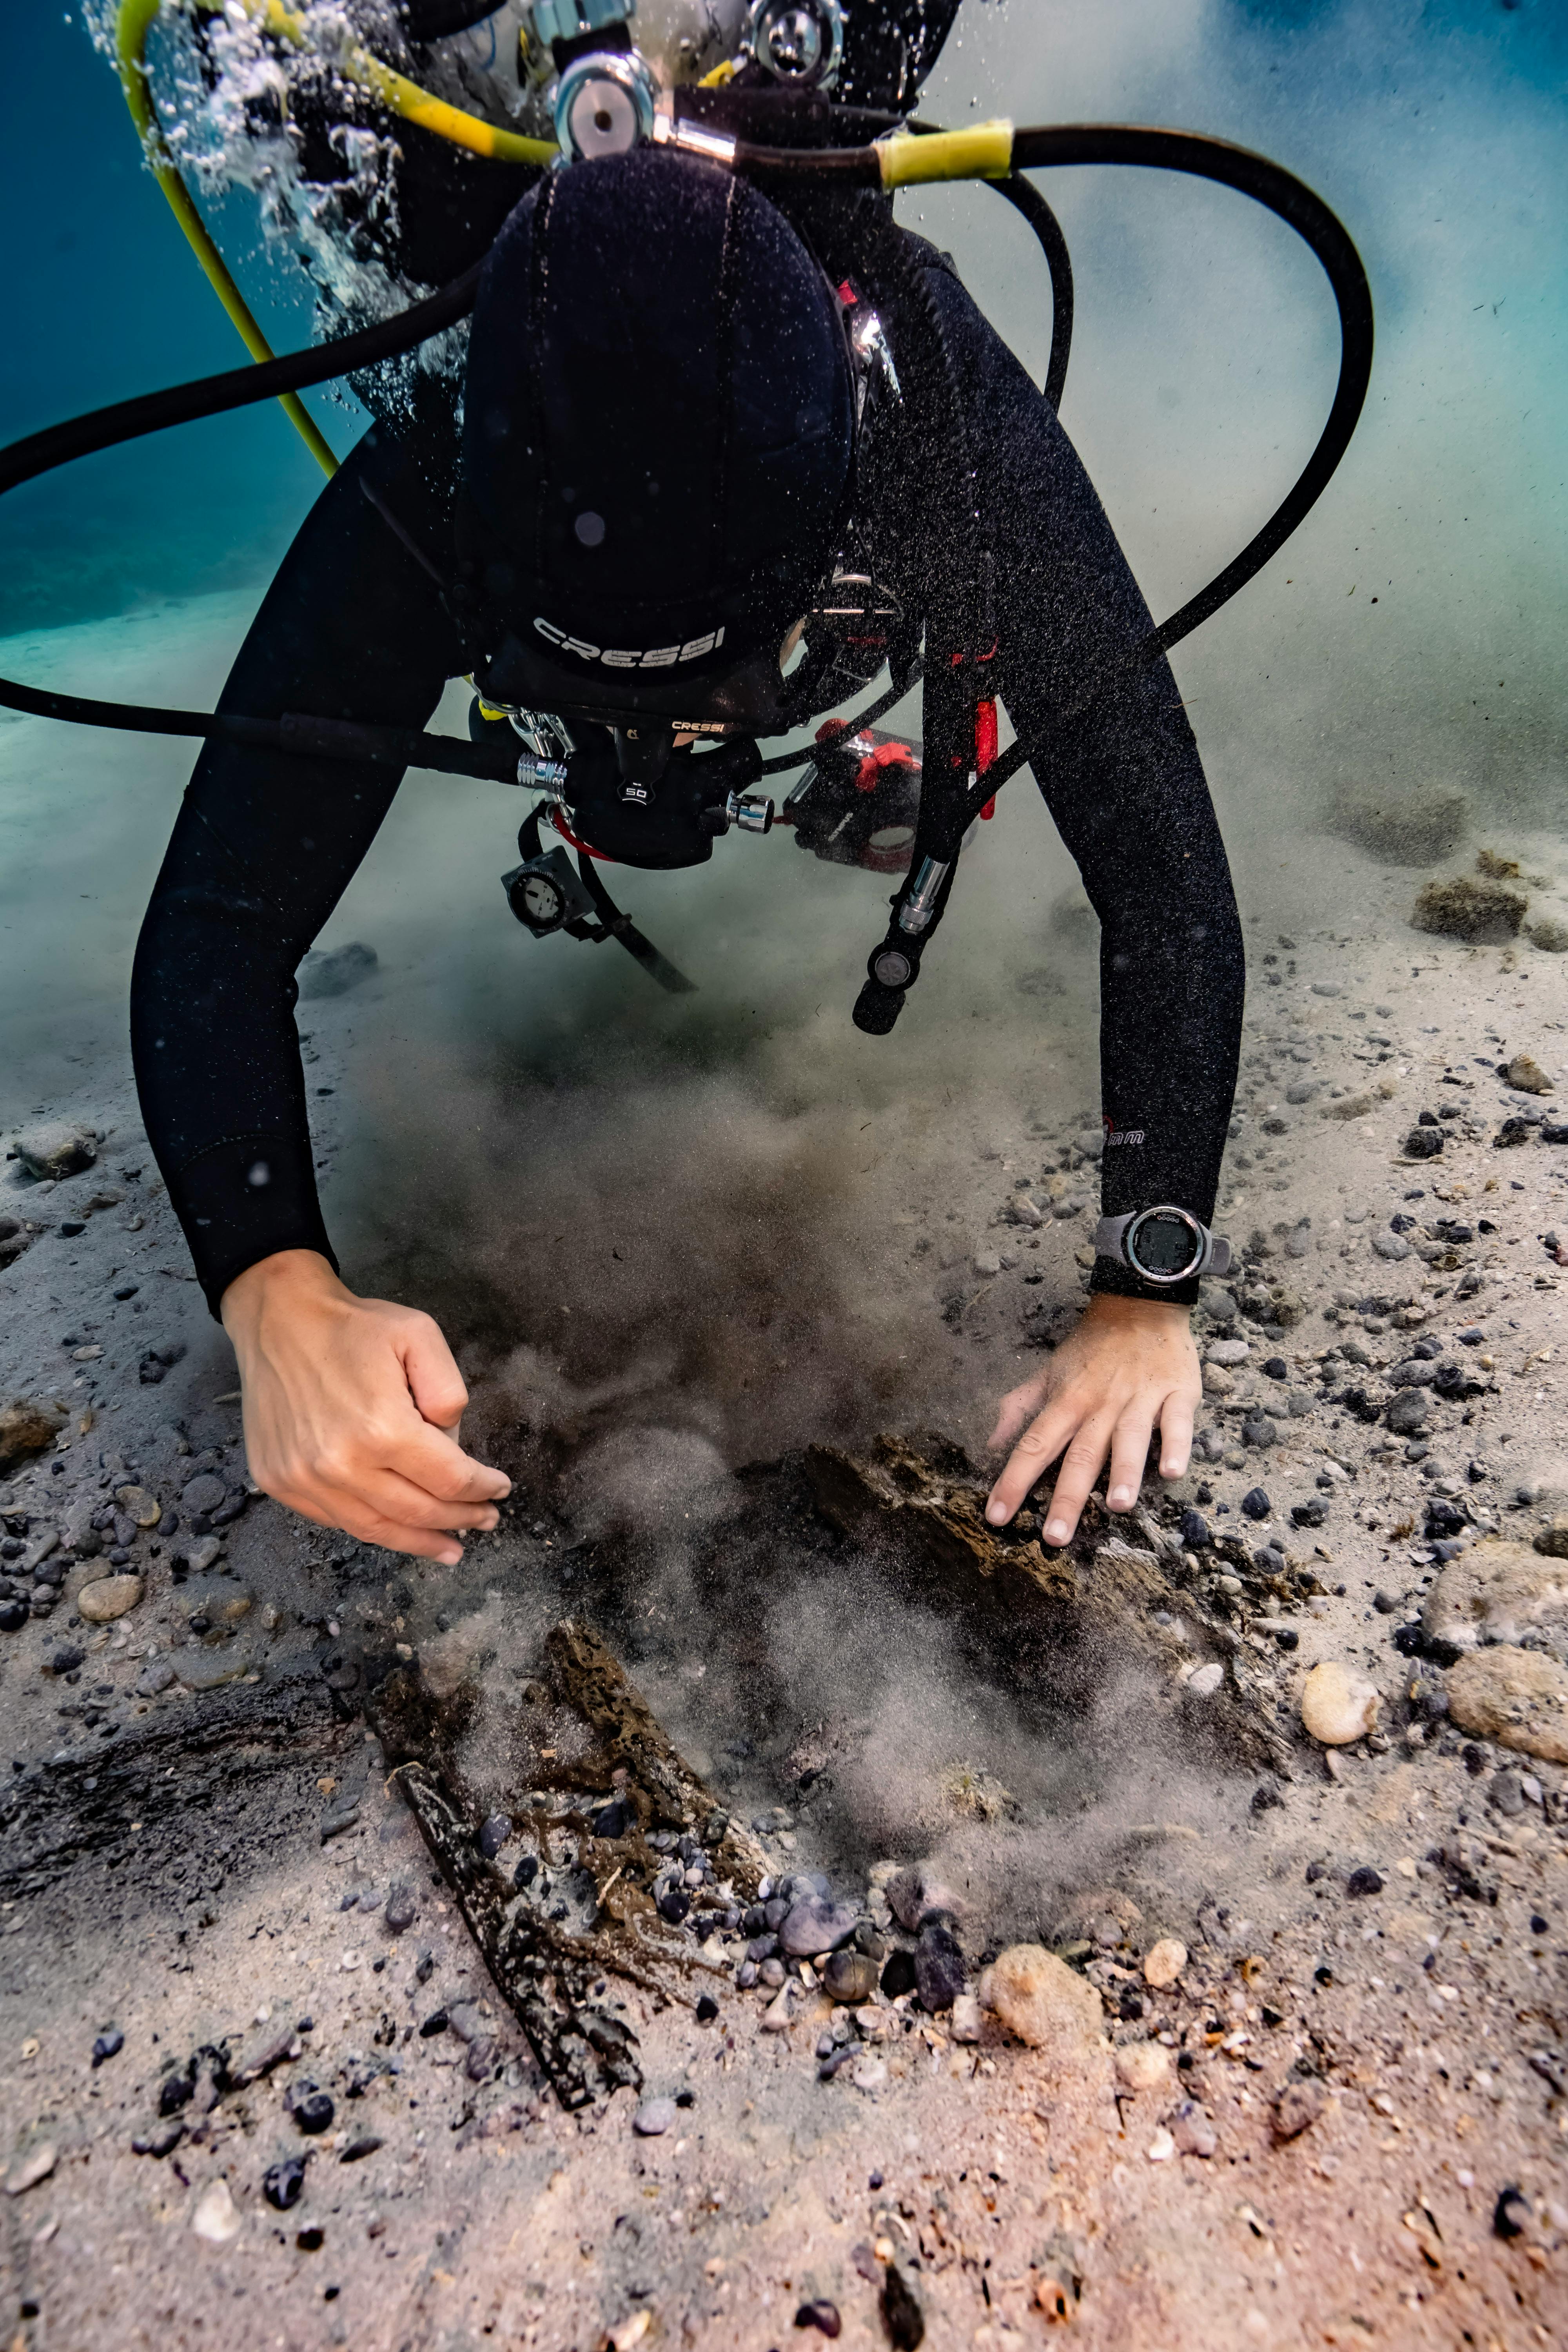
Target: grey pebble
(814, 1926)
(402, 1908)
(654, 2118)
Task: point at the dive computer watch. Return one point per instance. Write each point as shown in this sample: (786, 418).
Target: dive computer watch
(1163, 1245)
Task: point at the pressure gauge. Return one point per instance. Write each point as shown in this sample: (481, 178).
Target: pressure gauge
(545, 894)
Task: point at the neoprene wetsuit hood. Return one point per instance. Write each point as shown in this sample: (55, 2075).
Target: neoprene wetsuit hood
(659, 434)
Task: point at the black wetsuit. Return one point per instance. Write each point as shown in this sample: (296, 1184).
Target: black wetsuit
(353, 627)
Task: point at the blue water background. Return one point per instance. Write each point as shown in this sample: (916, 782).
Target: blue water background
(1202, 367)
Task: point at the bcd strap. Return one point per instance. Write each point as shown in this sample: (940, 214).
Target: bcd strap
(612, 924)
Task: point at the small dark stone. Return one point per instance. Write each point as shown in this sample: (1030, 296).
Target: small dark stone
(1256, 1504)
(1385, 1604)
(1506, 1793)
(866, 1940)
(1287, 1638)
(1364, 1881)
(1512, 1131)
(527, 1871)
(312, 2110)
(939, 1972)
(1275, 1367)
(899, 1976)
(1259, 1430)
(358, 2149)
(1265, 1796)
(1424, 1142)
(160, 2138)
(1510, 2214)
(674, 1905)
(1475, 1758)
(1538, 1926)
(437, 2022)
(706, 2009)
(424, 1967)
(310, 2241)
(1195, 1531)
(615, 1820)
(283, 2184)
(1310, 1514)
(493, 1835)
(901, 2315)
(66, 1660)
(109, 2044)
(402, 1907)
(174, 2091)
(13, 1615)
(823, 2316)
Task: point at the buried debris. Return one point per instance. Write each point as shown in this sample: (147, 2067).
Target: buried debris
(562, 1874)
(1064, 1623)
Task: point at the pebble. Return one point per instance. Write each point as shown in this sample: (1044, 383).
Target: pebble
(109, 1597)
(1193, 2132)
(814, 1926)
(139, 1506)
(870, 2073)
(197, 1555)
(494, 1834)
(1227, 1351)
(939, 1972)
(1143, 2065)
(986, 1264)
(1040, 1999)
(1162, 2147)
(913, 1896)
(204, 1493)
(1364, 1881)
(283, 2184)
(1506, 1793)
(1338, 1705)
(1204, 1681)
(402, 1907)
(777, 2017)
(851, 1976)
(112, 2041)
(1255, 1503)
(1299, 2105)
(964, 2025)
(312, 2110)
(821, 2314)
(30, 2169)
(1525, 1072)
(1164, 1962)
(216, 2218)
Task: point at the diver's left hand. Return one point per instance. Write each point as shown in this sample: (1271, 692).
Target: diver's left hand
(1130, 1365)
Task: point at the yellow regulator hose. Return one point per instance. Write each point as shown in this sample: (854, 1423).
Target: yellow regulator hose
(393, 90)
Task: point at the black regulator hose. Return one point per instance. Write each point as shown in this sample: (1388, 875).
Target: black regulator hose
(129, 420)
(1025, 198)
(1266, 182)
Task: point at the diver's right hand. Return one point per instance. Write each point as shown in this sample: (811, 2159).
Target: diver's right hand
(351, 1408)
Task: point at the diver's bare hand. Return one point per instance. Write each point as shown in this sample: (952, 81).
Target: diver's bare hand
(352, 1410)
(1130, 1365)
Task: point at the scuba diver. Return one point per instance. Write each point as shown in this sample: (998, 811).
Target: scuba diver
(721, 445)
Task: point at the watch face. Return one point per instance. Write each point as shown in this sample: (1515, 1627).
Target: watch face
(1165, 1245)
(540, 899)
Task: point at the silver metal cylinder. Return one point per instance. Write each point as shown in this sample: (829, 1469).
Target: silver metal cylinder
(752, 812)
(541, 775)
(918, 908)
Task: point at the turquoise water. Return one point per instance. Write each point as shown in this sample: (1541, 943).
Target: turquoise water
(1202, 368)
